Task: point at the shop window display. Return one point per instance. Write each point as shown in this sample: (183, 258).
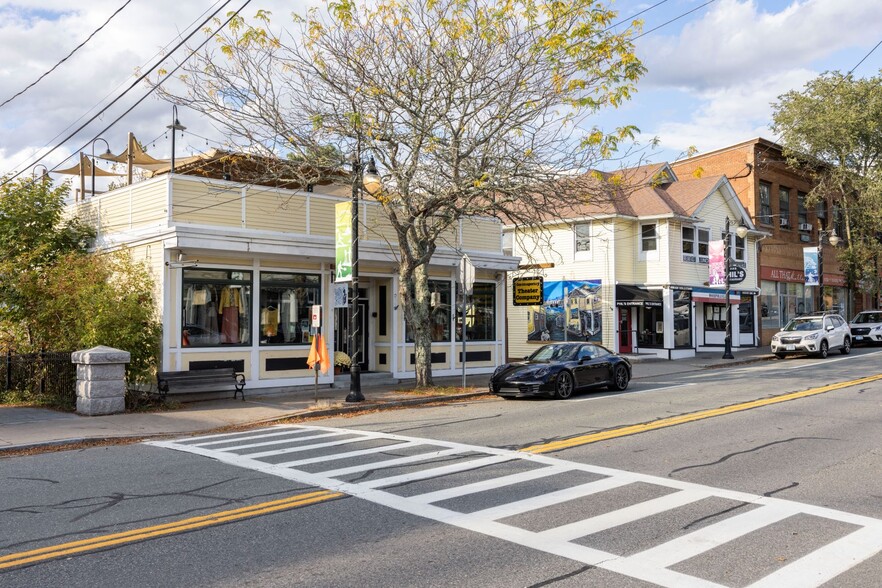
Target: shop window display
(480, 320)
(216, 308)
(285, 301)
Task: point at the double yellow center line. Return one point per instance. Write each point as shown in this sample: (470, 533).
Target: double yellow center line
(190, 524)
(688, 418)
(117, 539)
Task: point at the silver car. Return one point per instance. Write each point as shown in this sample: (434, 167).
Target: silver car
(815, 334)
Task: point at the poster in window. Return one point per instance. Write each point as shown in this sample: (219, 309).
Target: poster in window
(573, 311)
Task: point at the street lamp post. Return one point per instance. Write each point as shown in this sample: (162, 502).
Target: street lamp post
(106, 153)
(741, 231)
(833, 238)
(369, 180)
(175, 126)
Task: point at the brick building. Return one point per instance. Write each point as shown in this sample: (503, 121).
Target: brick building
(774, 196)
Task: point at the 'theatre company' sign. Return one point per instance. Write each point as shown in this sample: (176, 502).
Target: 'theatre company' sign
(527, 291)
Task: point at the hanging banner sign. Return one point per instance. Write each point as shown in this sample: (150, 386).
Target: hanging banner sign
(343, 241)
(810, 265)
(716, 263)
(527, 291)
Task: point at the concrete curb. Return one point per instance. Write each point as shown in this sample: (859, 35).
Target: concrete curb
(332, 411)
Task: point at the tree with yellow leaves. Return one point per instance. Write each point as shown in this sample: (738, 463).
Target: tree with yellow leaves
(470, 107)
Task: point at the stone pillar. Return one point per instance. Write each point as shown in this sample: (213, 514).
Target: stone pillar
(101, 380)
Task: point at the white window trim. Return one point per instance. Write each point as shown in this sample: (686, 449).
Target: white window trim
(584, 255)
(697, 258)
(648, 255)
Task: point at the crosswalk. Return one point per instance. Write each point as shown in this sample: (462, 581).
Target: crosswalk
(455, 483)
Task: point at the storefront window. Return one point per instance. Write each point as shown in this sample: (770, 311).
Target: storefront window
(480, 313)
(682, 318)
(216, 308)
(285, 301)
(439, 315)
(770, 310)
(714, 317)
(651, 327)
(745, 314)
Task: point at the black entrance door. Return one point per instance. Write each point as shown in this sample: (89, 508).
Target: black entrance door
(342, 340)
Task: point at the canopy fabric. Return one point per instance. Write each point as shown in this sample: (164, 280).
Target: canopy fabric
(85, 168)
(139, 158)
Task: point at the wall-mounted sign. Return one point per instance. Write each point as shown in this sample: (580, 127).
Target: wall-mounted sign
(527, 291)
(736, 274)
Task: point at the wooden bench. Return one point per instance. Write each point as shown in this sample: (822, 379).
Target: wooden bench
(201, 381)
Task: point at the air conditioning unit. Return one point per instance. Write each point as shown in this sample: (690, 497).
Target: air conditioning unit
(784, 222)
(805, 226)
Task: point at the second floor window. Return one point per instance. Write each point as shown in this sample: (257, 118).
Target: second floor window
(740, 249)
(583, 236)
(648, 238)
(801, 211)
(695, 244)
(765, 197)
(784, 206)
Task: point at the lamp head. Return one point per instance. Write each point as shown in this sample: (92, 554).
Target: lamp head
(371, 179)
(834, 239)
(742, 229)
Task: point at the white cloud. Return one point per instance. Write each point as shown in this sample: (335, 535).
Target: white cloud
(36, 37)
(728, 115)
(737, 40)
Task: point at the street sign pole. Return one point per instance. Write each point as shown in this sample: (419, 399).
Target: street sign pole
(467, 282)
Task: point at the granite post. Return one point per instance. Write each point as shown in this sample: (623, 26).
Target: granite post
(101, 380)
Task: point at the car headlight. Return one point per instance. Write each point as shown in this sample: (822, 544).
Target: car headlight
(542, 372)
(497, 370)
(776, 336)
(879, 328)
(812, 337)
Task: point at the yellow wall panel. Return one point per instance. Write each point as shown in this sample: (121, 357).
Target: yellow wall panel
(271, 210)
(480, 234)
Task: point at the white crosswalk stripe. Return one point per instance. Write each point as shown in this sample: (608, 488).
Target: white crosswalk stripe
(433, 460)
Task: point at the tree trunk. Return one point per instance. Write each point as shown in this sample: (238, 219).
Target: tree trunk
(416, 303)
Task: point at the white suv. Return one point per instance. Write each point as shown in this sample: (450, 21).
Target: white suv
(866, 327)
(817, 334)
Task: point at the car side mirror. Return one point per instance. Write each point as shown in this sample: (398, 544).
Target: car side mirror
(526, 357)
(830, 327)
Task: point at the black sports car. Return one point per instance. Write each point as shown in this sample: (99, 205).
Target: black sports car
(559, 369)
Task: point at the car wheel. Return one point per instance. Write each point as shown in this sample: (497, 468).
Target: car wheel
(846, 346)
(780, 355)
(620, 378)
(823, 349)
(564, 387)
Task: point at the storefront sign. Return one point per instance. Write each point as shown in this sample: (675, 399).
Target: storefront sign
(634, 296)
(782, 274)
(527, 291)
(343, 241)
(714, 296)
(736, 274)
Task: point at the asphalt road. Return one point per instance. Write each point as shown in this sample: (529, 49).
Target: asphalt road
(615, 490)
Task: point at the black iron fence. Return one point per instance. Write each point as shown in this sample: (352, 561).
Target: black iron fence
(48, 376)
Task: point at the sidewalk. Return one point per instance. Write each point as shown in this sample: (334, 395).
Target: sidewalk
(22, 428)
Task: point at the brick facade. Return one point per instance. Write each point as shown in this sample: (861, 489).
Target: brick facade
(747, 165)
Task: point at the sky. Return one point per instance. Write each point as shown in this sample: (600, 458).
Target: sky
(712, 74)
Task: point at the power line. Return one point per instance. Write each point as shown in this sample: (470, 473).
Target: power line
(159, 83)
(676, 18)
(75, 49)
(127, 90)
(162, 51)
